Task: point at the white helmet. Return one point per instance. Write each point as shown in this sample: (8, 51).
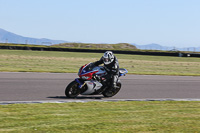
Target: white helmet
(108, 57)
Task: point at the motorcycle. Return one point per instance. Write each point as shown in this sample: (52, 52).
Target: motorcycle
(91, 82)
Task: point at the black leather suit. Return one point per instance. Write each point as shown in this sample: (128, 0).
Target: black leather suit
(112, 70)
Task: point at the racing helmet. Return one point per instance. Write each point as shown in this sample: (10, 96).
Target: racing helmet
(108, 57)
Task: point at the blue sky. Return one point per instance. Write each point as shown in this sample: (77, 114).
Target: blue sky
(165, 22)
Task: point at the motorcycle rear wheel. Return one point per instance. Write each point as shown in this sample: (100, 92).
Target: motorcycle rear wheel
(72, 90)
(112, 92)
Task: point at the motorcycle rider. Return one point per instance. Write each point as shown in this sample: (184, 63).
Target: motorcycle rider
(111, 65)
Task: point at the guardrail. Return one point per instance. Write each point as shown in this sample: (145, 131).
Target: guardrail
(177, 54)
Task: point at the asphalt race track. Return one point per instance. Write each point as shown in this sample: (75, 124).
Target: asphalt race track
(51, 86)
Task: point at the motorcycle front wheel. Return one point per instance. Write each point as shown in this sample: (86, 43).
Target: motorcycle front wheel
(72, 90)
(111, 92)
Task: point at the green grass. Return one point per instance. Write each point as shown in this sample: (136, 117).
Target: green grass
(63, 62)
(165, 116)
(136, 116)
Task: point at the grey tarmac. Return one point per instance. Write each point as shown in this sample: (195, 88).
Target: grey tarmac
(22, 87)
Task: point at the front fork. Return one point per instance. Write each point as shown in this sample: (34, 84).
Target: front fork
(81, 84)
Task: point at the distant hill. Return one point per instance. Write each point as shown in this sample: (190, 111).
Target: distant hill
(119, 46)
(154, 46)
(9, 37)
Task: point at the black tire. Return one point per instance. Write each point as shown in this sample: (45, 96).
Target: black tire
(72, 90)
(111, 92)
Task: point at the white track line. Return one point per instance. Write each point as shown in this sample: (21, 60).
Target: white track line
(109, 100)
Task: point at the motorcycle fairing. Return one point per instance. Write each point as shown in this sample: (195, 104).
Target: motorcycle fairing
(86, 73)
(92, 86)
(101, 70)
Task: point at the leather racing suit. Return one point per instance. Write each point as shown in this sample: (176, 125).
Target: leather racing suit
(112, 70)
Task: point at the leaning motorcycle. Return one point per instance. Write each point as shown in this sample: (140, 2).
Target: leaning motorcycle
(91, 82)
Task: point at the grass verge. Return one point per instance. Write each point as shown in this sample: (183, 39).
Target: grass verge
(135, 116)
(63, 62)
